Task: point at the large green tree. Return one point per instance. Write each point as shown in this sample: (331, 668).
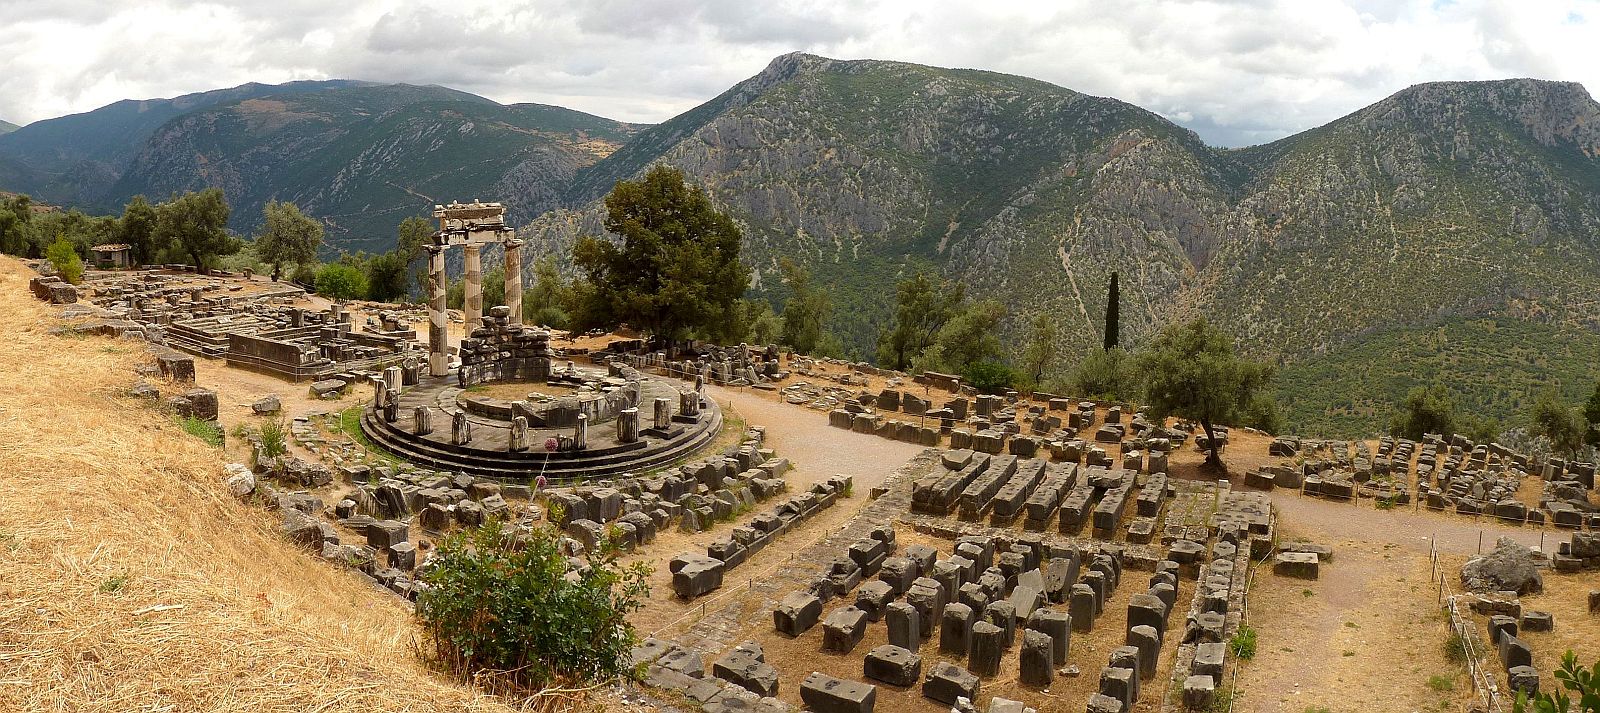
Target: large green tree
(1426, 409)
(549, 300)
(1191, 371)
(970, 337)
(1551, 418)
(341, 282)
(16, 214)
(923, 305)
(196, 224)
(288, 237)
(1039, 356)
(1109, 374)
(676, 271)
(390, 275)
(805, 314)
(138, 230)
(1591, 416)
(1113, 313)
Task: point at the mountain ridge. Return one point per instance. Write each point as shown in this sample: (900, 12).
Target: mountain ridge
(1444, 204)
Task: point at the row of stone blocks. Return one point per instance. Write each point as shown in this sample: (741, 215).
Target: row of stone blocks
(885, 428)
(694, 574)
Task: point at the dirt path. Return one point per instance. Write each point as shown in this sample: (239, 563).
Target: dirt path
(1367, 636)
(818, 450)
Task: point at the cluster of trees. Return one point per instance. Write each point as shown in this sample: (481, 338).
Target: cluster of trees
(191, 228)
(1431, 409)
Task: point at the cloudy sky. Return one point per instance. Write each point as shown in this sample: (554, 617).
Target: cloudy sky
(1237, 72)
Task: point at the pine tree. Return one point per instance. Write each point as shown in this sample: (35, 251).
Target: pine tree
(1112, 313)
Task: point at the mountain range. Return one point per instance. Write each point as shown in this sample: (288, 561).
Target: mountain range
(1449, 232)
(7, 127)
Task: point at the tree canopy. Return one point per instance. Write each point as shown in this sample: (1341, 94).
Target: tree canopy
(676, 272)
(341, 282)
(1591, 416)
(1426, 409)
(288, 237)
(196, 223)
(1108, 374)
(390, 274)
(1191, 371)
(1113, 313)
(138, 225)
(64, 258)
(805, 314)
(923, 305)
(1551, 418)
(1039, 356)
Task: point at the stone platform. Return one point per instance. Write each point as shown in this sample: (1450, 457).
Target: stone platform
(488, 453)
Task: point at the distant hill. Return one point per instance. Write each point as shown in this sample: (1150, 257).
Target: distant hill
(359, 155)
(7, 127)
(1441, 207)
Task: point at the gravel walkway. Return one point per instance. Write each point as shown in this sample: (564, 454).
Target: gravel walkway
(819, 451)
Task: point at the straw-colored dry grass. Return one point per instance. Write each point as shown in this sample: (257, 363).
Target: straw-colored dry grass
(130, 580)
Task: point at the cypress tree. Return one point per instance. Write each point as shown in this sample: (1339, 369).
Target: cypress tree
(1112, 297)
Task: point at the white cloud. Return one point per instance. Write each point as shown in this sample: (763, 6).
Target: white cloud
(1237, 72)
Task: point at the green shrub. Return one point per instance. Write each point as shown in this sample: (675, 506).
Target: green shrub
(305, 275)
(990, 377)
(207, 431)
(1442, 684)
(1243, 643)
(274, 438)
(64, 258)
(341, 282)
(1583, 685)
(502, 603)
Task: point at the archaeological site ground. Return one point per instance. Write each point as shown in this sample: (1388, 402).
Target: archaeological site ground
(822, 535)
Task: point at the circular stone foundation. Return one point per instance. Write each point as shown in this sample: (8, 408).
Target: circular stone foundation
(550, 409)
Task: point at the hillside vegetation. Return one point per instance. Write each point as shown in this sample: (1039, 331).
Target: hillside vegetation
(129, 578)
(1445, 203)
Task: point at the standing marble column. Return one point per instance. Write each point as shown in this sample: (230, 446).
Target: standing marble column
(628, 425)
(514, 280)
(580, 432)
(474, 292)
(663, 420)
(438, 318)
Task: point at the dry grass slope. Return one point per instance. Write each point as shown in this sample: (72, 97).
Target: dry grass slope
(130, 580)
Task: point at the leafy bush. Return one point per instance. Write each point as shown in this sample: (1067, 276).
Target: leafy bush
(990, 377)
(64, 258)
(1107, 374)
(1243, 643)
(341, 282)
(502, 603)
(305, 275)
(274, 441)
(1581, 682)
